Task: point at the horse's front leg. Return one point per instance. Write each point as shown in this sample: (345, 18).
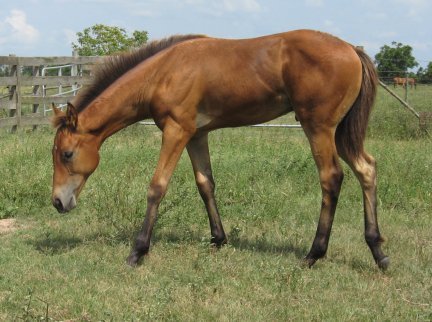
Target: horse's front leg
(199, 154)
(174, 140)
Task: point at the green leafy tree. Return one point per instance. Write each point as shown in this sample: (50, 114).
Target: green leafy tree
(395, 60)
(101, 40)
(424, 75)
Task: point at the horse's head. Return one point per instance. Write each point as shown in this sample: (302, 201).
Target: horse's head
(75, 157)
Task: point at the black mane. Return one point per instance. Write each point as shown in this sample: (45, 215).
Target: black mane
(114, 67)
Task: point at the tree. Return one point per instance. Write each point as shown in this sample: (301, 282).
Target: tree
(424, 75)
(395, 60)
(100, 40)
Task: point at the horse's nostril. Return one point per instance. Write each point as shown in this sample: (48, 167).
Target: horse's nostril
(58, 204)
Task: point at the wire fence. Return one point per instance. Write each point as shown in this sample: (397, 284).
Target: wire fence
(388, 77)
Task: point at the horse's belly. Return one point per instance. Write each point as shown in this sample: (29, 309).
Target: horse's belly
(234, 116)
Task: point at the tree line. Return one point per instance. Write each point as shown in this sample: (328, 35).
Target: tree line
(394, 60)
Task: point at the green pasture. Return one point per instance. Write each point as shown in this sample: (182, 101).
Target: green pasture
(72, 267)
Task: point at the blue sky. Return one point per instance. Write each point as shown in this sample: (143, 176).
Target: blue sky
(47, 27)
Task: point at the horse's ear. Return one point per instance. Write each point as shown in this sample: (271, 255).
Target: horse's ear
(59, 118)
(71, 116)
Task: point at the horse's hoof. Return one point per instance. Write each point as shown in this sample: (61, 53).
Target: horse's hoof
(133, 260)
(218, 242)
(308, 262)
(384, 263)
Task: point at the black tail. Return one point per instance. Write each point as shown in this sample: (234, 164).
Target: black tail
(351, 131)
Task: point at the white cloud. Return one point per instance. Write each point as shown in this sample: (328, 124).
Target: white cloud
(15, 28)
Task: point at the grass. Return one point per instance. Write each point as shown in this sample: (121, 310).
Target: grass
(392, 120)
(71, 267)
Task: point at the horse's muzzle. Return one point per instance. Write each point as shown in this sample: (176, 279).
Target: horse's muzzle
(58, 205)
(61, 207)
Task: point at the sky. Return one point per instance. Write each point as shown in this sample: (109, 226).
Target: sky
(48, 27)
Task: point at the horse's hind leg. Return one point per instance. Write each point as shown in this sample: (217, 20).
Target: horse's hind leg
(364, 167)
(199, 154)
(331, 176)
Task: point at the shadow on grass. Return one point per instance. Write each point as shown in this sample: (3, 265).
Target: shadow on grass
(177, 237)
(54, 245)
(265, 246)
(59, 244)
(240, 243)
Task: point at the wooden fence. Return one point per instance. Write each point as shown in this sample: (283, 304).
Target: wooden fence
(24, 97)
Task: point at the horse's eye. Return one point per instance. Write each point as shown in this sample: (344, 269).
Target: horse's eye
(67, 155)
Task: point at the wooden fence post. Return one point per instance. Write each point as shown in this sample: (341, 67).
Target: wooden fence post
(15, 94)
(412, 110)
(74, 70)
(36, 90)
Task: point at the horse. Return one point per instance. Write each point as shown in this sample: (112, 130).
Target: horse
(403, 81)
(191, 85)
(412, 82)
(399, 81)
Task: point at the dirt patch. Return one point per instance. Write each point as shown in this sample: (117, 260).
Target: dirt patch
(7, 225)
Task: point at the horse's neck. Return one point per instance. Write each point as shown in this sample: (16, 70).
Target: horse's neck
(121, 105)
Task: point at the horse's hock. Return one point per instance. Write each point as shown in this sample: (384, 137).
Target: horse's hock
(425, 120)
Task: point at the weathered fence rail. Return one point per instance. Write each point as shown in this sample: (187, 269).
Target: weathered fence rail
(25, 88)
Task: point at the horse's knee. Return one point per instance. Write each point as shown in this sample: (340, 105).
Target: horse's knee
(155, 193)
